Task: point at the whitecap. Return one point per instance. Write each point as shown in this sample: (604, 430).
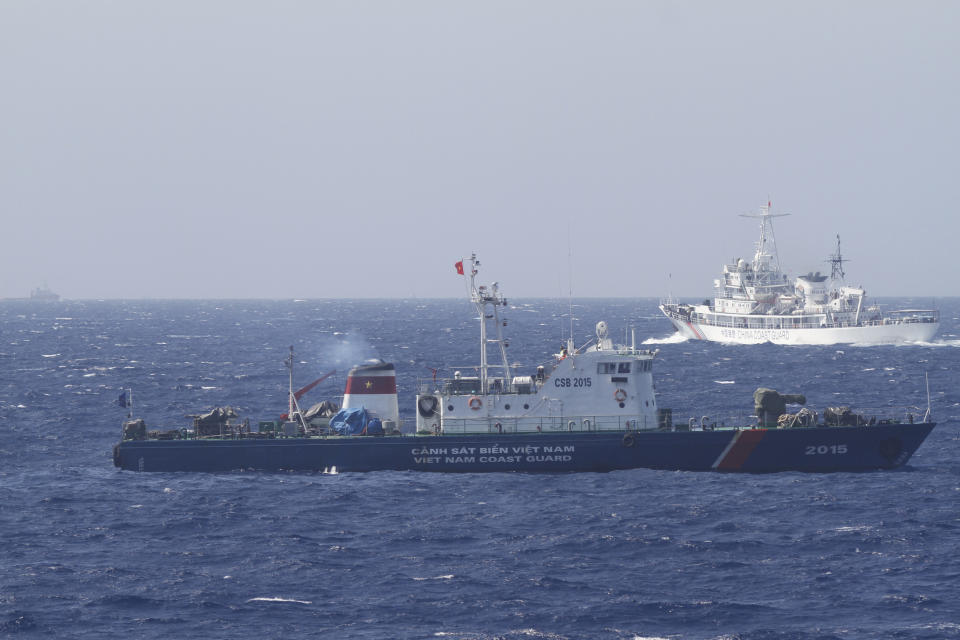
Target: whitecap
(943, 342)
(279, 600)
(49, 355)
(673, 338)
(446, 577)
(725, 381)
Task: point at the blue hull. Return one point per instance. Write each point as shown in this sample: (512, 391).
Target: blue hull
(884, 446)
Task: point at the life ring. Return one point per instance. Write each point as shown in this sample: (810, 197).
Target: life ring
(475, 403)
(628, 439)
(619, 395)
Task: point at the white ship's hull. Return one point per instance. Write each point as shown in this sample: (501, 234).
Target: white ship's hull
(872, 334)
(756, 302)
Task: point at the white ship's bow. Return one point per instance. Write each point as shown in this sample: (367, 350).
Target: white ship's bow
(681, 322)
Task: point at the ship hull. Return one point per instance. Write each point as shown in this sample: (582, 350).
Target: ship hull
(821, 449)
(872, 334)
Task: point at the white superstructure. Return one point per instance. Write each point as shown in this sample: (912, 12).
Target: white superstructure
(756, 302)
(598, 386)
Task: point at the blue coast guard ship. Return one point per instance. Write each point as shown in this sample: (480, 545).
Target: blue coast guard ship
(594, 410)
(756, 302)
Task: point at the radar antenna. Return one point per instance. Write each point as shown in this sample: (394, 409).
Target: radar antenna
(766, 222)
(482, 297)
(836, 263)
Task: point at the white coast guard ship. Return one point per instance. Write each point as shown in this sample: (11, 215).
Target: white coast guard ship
(596, 387)
(756, 302)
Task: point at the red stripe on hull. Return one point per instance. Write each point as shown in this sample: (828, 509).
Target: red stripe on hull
(378, 385)
(746, 442)
(699, 335)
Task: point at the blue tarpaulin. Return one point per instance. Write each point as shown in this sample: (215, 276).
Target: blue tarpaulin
(356, 422)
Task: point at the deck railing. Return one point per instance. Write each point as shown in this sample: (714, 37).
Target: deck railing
(548, 424)
(780, 323)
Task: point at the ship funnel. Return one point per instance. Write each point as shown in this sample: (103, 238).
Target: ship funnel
(374, 387)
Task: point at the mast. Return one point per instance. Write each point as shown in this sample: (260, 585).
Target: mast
(481, 296)
(766, 222)
(291, 398)
(570, 344)
(836, 263)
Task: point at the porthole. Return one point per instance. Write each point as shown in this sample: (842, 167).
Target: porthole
(507, 407)
(526, 406)
(622, 405)
(449, 407)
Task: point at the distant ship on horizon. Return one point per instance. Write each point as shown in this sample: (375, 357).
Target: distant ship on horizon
(756, 302)
(39, 294)
(44, 294)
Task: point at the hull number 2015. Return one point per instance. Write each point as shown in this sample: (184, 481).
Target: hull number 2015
(823, 449)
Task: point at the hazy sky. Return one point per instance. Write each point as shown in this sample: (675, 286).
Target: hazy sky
(183, 149)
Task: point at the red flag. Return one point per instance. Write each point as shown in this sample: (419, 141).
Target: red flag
(459, 267)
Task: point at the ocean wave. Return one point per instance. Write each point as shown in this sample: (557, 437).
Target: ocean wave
(277, 599)
(944, 342)
(94, 550)
(673, 338)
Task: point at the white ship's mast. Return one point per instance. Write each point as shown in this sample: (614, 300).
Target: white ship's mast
(766, 222)
(292, 405)
(482, 296)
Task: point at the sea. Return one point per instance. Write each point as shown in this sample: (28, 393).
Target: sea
(89, 551)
